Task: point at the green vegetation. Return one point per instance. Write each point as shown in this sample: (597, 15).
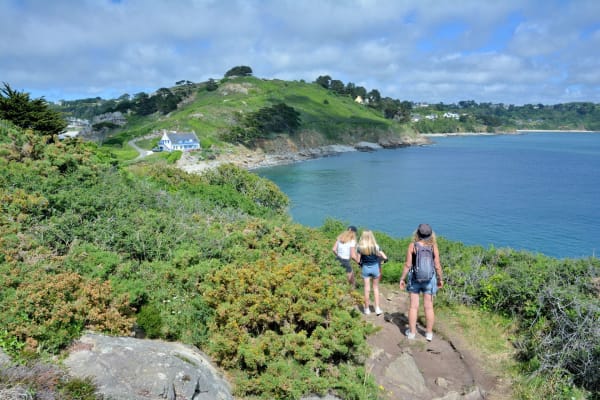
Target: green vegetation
(28, 113)
(487, 117)
(88, 242)
(241, 70)
(240, 108)
(261, 124)
(87, 245)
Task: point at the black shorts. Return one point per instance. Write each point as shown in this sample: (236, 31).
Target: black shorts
(346, 264)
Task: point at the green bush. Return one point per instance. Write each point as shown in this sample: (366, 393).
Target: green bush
(262, 191)
(557, 310)
(278, 324)
(174, 156)
(150, 321)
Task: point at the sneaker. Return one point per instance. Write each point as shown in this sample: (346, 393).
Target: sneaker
(378, 311)
(367, 310)
(409, 335)
(429, 336)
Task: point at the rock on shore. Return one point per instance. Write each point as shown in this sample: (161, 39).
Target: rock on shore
(287, 153)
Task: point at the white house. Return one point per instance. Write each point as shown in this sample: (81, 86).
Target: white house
(184, 141)
(451, 115)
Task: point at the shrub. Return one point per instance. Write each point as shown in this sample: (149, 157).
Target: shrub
(150, 321)
(262, 191)
(48, 310)
(44, 381)
(287, 328)
(556, 309)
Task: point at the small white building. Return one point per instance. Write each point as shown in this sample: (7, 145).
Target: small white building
(451, 115)
(184, 141)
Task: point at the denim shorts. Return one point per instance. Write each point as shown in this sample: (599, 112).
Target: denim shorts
(370, 270)
(422, 287)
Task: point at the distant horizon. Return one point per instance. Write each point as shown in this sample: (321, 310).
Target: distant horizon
(430, 103)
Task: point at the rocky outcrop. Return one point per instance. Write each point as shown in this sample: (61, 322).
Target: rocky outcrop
(4, 359)
(404, 141)
(367, 146)
(126, 368)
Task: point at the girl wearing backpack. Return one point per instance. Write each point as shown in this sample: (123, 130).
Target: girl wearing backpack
(368, 256)
(423, 238)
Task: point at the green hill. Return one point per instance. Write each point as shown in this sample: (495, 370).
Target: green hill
(325, 117)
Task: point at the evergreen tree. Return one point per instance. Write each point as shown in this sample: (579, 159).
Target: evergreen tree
(241, 70)
(26, 113)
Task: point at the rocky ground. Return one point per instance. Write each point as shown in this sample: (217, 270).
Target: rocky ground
(445, 368)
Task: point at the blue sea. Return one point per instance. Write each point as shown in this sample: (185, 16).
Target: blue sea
(538, 192)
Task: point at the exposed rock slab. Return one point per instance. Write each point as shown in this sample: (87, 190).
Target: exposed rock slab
(4, 359)
(126, 368)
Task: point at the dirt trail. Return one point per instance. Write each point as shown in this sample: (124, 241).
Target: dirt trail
(421, 370)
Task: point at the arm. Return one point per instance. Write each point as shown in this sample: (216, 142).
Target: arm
(438, 266)
(407, 265)
(353, 255)
(334, 249)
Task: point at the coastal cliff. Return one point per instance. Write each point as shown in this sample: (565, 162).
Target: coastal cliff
(284, 151)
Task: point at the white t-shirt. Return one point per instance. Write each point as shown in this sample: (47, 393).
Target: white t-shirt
(343, 249)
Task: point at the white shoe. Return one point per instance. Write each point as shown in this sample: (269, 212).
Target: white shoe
(409, 335)
(367, 310)
(378, 311)
(429, 336)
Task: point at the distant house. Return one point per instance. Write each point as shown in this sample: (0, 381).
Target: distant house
(359, 100)
(184, 141)
(451, 115)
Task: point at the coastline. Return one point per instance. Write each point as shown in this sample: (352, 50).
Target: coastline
(515, 132)
(557, 130)
(255, 159)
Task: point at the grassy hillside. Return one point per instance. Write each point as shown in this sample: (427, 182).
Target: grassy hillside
(326, 118)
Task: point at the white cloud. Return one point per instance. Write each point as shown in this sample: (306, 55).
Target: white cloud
(510, 51)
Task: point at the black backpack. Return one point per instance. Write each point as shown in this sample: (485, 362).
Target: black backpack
(423, 267)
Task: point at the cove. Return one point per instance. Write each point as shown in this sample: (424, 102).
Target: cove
(538, 192)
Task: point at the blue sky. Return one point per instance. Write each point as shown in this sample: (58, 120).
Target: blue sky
(508, 51)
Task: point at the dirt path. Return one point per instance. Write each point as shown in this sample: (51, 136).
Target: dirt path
(420, 370)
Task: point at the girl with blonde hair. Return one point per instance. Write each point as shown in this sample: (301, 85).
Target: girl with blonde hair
(344, 249)
(368, 256)
(423, 236)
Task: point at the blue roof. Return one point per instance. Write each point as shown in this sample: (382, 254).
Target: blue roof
(183, 137)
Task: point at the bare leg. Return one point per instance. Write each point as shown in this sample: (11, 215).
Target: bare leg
(429, 314)
(367, 291)
(413, 311)
(351, 279)
(376, 291)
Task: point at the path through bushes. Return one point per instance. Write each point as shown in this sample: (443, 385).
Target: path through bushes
(418, 369)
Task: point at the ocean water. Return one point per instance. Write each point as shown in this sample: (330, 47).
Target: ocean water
(538, 192)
